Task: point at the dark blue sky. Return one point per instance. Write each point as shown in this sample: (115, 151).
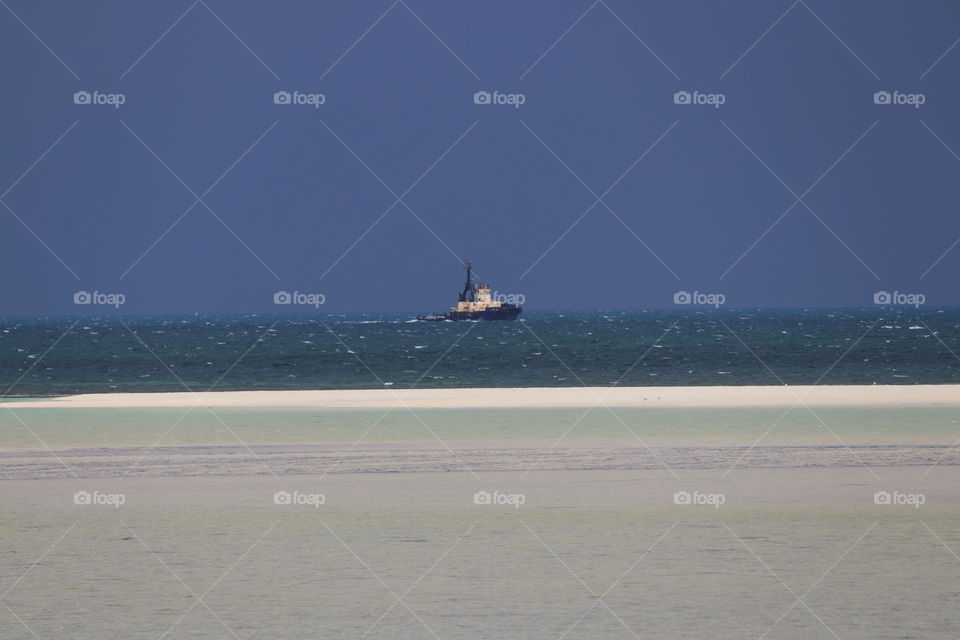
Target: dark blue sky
(306, 208)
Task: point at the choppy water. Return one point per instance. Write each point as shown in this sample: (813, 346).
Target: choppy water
(884, 346)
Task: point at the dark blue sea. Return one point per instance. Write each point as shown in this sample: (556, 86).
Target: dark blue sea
(50, 356)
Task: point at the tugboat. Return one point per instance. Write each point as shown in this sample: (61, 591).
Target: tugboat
(476, 303)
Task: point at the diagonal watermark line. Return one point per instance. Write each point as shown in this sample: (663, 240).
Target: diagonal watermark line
(33, 432)
(39, 239)
(839, 39)
(398, 199)
(797, 598)
(40, 40)
(598, 400)
(38, 560)
(953, 446)
(799, 400)
(166, 566)
(418, 19)
(557, 41)
(940, 540)
(439, 39)
(618, 580)
(42, 442)
(818, 19)
(398, 402)
(757, 41)
(239, 159)
(239, 39)
(602, 195)
(200, 599)
(37, 361)
(824, 575)
(199, 396)
(157, 41)
(799, 199)
(957, 241)
(399, 599)
(615, 17)
(212, 412)
(357, 41)
(639, 39)
(21, 220)
(400, 399)
(599, 598)
(20, 620)
(599, 199)
(39, 159)
(937, 61)
(199, 199)
(179, 19)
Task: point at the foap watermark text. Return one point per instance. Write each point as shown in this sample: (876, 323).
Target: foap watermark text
(502, 499)
(114, 100)
(99, 298)
(698, 499)
(297, 499)
(98, 499)
(898, 298)
(298, 97)
(299, 298)
(896, 498)
(896, 97)
(699, 298)
(486, 97)
(696, 97)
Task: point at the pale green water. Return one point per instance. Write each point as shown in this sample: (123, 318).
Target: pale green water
(470, 571)
(143, 427)
(598, 549)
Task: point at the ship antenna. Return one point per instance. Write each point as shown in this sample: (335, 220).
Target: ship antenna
(467, 288)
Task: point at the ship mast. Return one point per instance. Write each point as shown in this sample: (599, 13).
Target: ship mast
(468, 287)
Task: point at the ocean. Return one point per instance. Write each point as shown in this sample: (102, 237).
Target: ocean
(543, 349)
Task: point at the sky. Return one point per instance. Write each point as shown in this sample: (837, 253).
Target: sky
(202, 156)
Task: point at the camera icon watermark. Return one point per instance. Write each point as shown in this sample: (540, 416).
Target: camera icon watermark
(696, 97)
(99, 298)
(97, 499)
(297, 97)
(295, 499)
(298, 298)
(115, 100)
(914, 100)
(486, 97)
(887, 298)
(696, 498)
(896, 498)
(714, 300)
(514, 500)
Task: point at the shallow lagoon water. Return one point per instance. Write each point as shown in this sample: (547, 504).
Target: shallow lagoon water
(400, 548)
(64, 428)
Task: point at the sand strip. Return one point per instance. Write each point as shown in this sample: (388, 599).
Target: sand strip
(507, 398)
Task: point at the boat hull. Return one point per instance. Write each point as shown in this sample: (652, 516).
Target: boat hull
(503, 312)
